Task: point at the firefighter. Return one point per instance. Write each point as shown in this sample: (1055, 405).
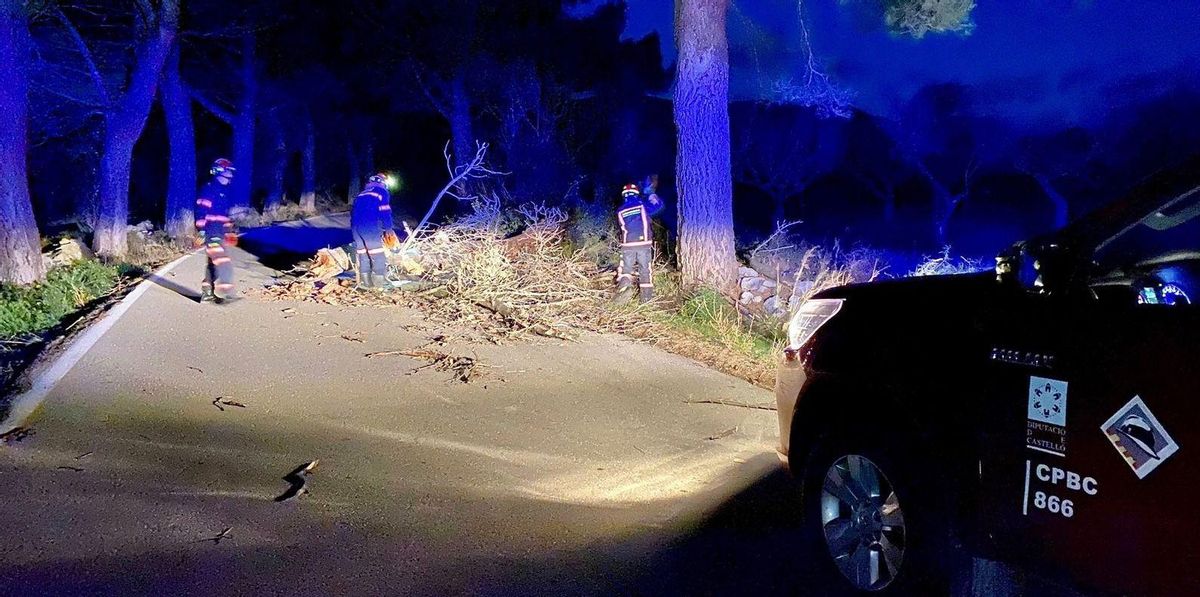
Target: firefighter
(637, 239)
(374, 233)
(216, 233)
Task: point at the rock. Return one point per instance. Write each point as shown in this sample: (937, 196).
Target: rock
(752, 284)
(70, 250)
(775, 307)
(746, 272)
(768, 283)
(747, 297)
(757, 299)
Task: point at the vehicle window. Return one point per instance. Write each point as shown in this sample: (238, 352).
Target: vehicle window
(1160, 255)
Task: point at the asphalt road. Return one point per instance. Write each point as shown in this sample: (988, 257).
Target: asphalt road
(569, 468)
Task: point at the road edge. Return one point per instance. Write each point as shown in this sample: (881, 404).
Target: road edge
(23, 405)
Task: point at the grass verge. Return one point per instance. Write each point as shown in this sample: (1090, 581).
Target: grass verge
(39, 307)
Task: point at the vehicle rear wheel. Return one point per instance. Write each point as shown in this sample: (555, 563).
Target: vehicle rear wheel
(875, 521)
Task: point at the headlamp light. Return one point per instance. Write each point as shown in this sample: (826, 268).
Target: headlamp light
(813, 314)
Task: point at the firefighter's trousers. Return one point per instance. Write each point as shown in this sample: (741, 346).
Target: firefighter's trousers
(372, 263)
(218, 273)
(638, 259)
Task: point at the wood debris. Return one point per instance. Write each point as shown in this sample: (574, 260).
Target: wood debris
(216, 539)
(722, 435)
(763, 406)
(16, 435)
(297, 481)
(222, 401)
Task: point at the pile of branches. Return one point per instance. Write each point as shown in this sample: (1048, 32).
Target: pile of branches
(528, 281)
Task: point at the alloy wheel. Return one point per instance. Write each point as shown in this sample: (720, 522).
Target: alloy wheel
(862, 522)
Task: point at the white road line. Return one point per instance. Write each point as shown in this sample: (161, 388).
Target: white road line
(25, 403)
(1025, 502)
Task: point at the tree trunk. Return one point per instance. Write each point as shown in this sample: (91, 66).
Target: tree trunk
(20, 245)
(461, 128)
(703, 164)
(276, 195)
(308, 167)
(243, 127)
(123, 126)
(368, 159)
(181, 180)
(355, 187)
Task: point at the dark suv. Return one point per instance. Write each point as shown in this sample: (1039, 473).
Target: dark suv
(1046, 414)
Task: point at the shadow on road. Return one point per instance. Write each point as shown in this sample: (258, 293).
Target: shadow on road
(189, 293)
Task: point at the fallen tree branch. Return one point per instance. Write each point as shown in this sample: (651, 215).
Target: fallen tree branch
(770, 407)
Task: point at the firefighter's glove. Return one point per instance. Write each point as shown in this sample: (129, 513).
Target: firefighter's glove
(391, 241)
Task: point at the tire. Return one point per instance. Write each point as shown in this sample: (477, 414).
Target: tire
(891, 536)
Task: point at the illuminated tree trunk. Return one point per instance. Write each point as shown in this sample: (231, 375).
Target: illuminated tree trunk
(308, 169)
(703, 163)
(355, 186)
(276, 195)
(124, 124)
(461, 129)
(20, 245)
(181, 179)
(243, 127)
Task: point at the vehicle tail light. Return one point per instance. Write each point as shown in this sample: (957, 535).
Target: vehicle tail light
(812, 315)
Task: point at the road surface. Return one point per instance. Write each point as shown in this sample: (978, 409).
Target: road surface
(570, 468)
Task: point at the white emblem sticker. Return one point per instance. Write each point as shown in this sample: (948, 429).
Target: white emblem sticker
(1140, 439)
(1046, 411)
(1048, 401)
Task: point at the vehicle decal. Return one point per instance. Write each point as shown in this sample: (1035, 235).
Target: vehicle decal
(1024, 358)
(1055, 490)
(1046, 414)
(1138, 437)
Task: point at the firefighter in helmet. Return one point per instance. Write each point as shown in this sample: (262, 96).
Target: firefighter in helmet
(637, 238)
(216, 234)
(374, 232)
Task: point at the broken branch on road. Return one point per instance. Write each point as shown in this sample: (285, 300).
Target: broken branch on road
(722, 435)
(16, 435)
(222, 400)
(216, 539)
(297, 480)
(764, 406)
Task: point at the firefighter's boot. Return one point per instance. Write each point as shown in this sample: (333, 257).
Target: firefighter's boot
(366, 281)
(207, 295)
(647, 293)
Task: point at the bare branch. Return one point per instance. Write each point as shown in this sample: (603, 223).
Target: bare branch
(86, 54)
(227, 116)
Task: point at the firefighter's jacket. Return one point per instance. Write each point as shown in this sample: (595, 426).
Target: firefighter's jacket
(634, 217)
(212, 210)
(371, 215)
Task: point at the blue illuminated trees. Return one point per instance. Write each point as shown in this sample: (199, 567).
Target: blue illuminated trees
(703, 167)
(242, 118)
(125, 117)
(20, 247)
(181, 137)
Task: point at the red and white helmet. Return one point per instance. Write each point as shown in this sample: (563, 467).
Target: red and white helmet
(378, 178)
(222, 166)
(630, 190)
